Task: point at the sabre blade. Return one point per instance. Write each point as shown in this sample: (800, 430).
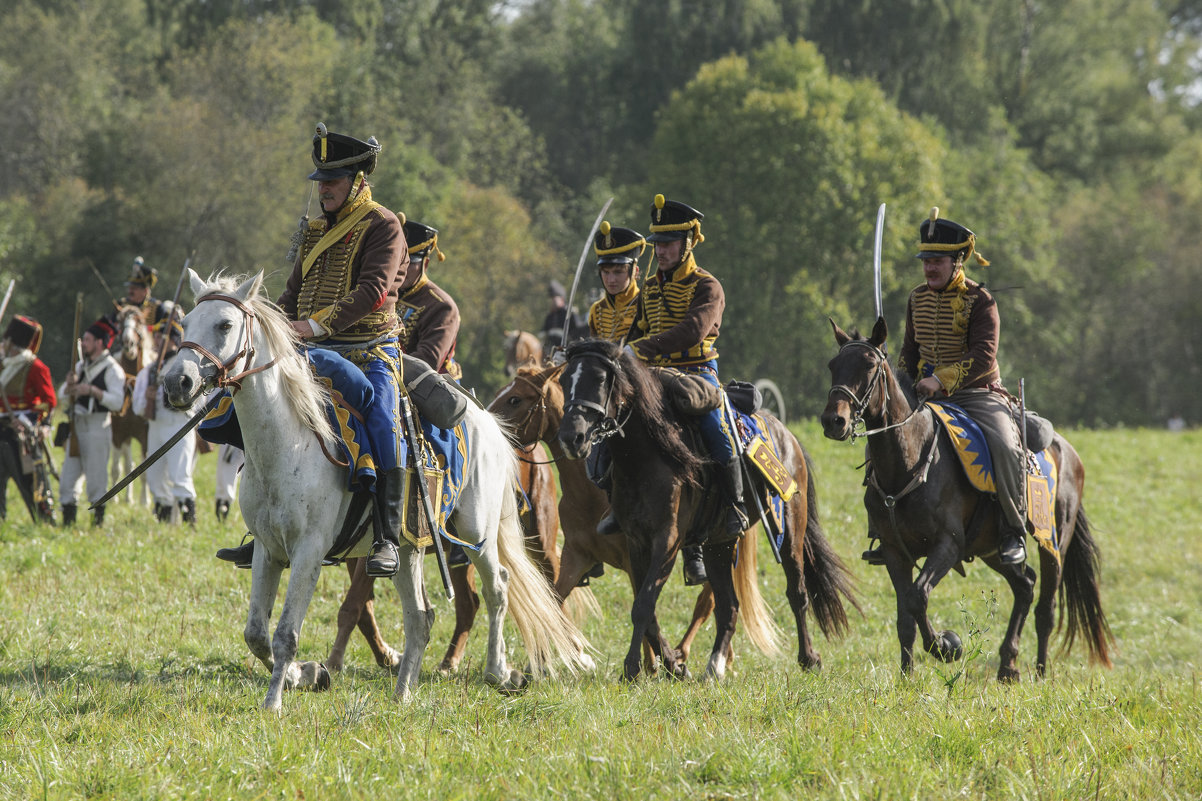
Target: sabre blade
(579, 267)
(876, 260)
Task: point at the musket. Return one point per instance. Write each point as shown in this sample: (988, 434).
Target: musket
(103, 283)
(151, 385)
(76, 360)
(567, 327)
(423, 492)
(184, 430)
(876, 260)
(7, 296)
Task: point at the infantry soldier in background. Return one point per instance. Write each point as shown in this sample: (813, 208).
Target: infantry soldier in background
(950, 350)
(170, 478)
(230, 459)
(677, 324)
(29, 399)
(559, 318)
(341, 296)
(95, 387)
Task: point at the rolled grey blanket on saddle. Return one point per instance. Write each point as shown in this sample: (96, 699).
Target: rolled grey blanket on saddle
(438, 401)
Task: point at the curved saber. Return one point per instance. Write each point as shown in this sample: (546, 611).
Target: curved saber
(186, 428)
(580, 266)
(876, 260)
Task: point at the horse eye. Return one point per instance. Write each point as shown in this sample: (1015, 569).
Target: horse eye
(225, 327)
(515, 401)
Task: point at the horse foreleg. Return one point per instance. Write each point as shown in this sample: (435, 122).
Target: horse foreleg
(944, 645)
(703, 607)
(287, 673)
(650, 584)
(718, 560)
(1021, 579)
(358, 610)
(419, 618)
(467, 603)
(264, 586)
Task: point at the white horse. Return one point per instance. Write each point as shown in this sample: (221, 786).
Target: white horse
(137, 348)
(293, 498)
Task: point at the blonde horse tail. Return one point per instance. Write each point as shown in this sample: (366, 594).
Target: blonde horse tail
(754, 614)
(581, 604)
(552, 641)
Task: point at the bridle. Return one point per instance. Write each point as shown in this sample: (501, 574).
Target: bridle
(222, 379)
(876, 381)
(609, 423)
(540, 408)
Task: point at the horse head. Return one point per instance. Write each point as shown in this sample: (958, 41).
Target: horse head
(218, 336)
(596, 388)
(858, 381)
(131, 327)
(530, 404)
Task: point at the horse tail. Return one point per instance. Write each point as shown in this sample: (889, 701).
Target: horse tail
(1081, 594)
(550, 638)
(581, 604)
(828, 581)
(755, 615)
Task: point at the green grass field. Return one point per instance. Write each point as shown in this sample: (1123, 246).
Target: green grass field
(123, 675)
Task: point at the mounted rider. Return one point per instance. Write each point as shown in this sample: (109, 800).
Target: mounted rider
(618, 252)
(341, 297)
(139, 292)
(428, 316)
(676, 326)
(950, 350)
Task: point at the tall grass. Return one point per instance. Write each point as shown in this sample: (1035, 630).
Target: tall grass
(123, 675)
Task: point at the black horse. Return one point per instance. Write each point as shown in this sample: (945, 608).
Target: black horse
(921, 504)
(659, 497)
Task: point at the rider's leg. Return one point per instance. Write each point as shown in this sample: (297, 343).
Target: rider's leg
(993, 414)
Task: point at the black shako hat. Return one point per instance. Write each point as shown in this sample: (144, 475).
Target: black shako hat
(672, 220)
(942, 237)
(420, 238)
(141, 275)
(340, 156)
(24, 332)
(616, 245)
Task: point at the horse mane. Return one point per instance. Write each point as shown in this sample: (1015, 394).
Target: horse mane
(635, 383)
(307, 396)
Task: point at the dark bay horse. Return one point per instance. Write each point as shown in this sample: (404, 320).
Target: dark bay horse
(936, 513)
(541, 528)
(659, 498)
(532, 406)
(136, 350)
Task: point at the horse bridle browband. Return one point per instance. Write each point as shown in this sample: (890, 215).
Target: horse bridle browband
(860, 405)
(222, 379)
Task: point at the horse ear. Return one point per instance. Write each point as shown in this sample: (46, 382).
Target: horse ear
(250, 287)
(198, 286)
(880, 332)
(841, 337)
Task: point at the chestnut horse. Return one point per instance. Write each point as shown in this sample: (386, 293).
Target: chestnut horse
(659, 497)
(541, 527)
(127, 428)
(937, 514)
(522, 349)
(532, 407)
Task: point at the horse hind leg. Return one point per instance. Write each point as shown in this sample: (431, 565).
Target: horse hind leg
(1021, 579)
(494, 587)
(467, 603)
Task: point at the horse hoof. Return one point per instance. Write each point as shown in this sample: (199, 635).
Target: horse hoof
(947, 647)
(1008, 675)
(517, 683)
(809, 665)
(321, 682)
(447, 668)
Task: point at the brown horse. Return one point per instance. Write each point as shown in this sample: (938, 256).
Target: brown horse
(522, 349)
(659, 498)
(935, 513)
(541, 527)
(127, 428)
(532, 407)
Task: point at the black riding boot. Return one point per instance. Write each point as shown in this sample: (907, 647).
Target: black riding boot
(222, 509)
(875, 555)
(242, 556)
(1010, 550)
(69, 510)
(608, 524)
(187, 511)
(694, 565)
(97, 516)
(732, 493)
(385, 559)
(162, 512)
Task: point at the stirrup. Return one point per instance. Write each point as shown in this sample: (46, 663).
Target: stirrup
(384, 560)
(874, 556)
(694, 568)
(242, 556)
(1012, 551)
(608, 525)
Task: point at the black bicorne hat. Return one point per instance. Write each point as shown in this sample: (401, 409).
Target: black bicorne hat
(614, 245)
(421, 238)
(340, 156)
(941, 237)
(672, 220)
(24, 332)
(102, 331)
(141, 275)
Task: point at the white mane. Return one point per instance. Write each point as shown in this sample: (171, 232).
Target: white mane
(305, 395)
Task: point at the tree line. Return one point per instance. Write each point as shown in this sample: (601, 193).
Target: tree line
(1065, 133)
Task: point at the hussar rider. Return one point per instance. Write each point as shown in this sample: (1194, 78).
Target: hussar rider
(676, 326)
